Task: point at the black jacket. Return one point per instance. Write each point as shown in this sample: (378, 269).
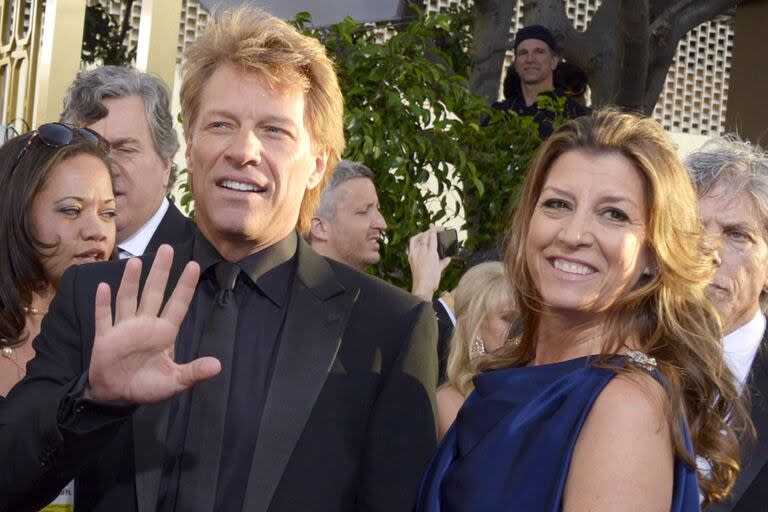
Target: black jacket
(174, 228)
(348, 422)
(544, 117)
(750, 493)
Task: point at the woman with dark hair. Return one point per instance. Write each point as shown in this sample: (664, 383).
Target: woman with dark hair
(57, 209)
(618, 381)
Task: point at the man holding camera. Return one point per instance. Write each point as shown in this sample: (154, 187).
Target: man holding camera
(348, 225)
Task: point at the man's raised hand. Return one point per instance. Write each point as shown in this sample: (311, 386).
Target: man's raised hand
(132, 359)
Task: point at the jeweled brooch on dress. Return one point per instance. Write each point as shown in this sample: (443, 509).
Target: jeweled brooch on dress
(643, 361)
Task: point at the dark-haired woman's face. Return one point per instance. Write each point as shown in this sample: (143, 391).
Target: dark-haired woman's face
(75, 210)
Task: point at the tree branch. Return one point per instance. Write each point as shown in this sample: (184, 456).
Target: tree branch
(666, 30)
(684, 15)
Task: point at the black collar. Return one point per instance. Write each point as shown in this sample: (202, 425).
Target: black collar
(270, 269)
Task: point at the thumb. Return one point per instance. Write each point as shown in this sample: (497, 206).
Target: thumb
(197, 371)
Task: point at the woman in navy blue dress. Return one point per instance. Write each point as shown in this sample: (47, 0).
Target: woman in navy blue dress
(618, 381)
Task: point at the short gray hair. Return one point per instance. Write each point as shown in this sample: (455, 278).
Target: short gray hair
(83, 104)
(344, 171)
(738, 166)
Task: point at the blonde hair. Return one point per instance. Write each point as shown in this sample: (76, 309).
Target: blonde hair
(255, 41)
(667, 313)
(483, 289)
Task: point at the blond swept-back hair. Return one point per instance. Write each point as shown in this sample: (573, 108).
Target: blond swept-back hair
(254, 41)
(666, 314)
(482, 289)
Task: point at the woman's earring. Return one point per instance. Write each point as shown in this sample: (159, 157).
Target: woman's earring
(477, 349)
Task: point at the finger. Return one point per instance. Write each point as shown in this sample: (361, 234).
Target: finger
(176, 308)
(416, 244)
(197, 371)
(154, 287)
(444, 263)
(102, 310)
(432, 238)
(125, 302)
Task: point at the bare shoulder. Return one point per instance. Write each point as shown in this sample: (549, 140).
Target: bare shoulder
(624, 458)
(449, 401)
(631, 398)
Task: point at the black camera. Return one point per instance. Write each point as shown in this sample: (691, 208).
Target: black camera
(447, 243)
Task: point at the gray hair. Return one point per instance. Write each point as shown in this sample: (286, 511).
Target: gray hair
(344, 171)
(737, 166)
(83, 104)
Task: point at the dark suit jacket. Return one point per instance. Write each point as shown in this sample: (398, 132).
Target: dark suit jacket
(348, 422)
(444, 334)
(750, 493)
(174, 228)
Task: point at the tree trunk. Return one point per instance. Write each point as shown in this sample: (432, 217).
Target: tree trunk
(493, 19)
(633, 38)
(125, 24)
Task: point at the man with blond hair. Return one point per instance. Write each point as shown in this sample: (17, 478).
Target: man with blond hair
(264, 377)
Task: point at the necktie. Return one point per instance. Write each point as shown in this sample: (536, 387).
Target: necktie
(205, 431)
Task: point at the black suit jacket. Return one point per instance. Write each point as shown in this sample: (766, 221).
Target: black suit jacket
(348, 422)
(750, 493)
(174, 228)
(445, 329)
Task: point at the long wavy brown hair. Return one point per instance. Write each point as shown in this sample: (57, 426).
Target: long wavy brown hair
(666, 315)
(21, 253)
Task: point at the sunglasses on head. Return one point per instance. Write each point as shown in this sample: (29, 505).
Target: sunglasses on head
(57, 135)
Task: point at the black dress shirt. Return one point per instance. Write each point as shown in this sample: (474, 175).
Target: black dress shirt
(262, 291)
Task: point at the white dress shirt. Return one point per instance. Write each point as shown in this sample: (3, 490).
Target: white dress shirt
(449, 311)
(741, 347)
(136, 244)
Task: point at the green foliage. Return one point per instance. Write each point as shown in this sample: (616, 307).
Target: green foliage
(103, 38)
(411, 117)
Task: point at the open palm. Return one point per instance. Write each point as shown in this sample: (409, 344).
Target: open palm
(132, 359)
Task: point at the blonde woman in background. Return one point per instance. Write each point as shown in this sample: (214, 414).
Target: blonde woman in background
(484, 308)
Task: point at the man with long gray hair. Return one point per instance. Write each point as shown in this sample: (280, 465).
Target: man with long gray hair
(131, 110)
(731, 178)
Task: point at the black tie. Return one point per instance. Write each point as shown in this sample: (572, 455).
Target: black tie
(205, 431)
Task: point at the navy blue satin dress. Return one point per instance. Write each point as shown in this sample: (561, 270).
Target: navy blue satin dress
(512, 442)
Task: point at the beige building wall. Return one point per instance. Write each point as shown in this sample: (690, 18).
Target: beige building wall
(748, 101)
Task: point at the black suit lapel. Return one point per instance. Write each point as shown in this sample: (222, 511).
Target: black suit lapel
(314, 324)
(150, 422)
